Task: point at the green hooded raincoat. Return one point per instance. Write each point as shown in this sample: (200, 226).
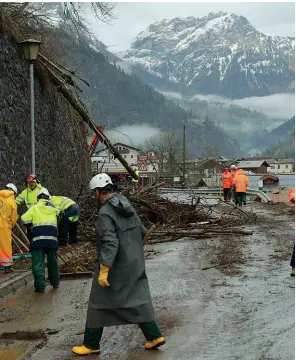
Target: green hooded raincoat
(120, 246)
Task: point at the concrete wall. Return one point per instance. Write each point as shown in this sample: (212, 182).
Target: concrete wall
(61, 145)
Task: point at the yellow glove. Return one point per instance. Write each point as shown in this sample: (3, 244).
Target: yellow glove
(103, 277)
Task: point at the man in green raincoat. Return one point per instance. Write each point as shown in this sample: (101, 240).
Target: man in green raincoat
(120, 292)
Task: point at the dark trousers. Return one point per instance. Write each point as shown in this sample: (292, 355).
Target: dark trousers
(226, 194)
(92, 337)
(38, 267)
(240, 198)
(67, 228)
(232, 193)
(292, 262)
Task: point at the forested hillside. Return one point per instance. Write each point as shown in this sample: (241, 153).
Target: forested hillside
(113, 97)
(285, 148)
(116, 98)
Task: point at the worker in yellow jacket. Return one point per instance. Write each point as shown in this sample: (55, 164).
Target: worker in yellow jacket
(41, 223)
(8, 218)
(69, 213)
(134, 181)
(29, 195)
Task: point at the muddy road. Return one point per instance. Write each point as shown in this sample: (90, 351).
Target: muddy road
(240, 307)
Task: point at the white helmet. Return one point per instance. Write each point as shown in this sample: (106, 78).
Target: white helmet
(11, 187)
(44, 192)
(232, 166)
(100, 181)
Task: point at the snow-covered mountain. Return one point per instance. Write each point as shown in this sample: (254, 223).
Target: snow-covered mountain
(217, 54)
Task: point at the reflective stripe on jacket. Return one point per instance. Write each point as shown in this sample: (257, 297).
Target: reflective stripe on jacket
(227, 180)
(240, 181)
(28, 196)
(43, 217)
(62, 203)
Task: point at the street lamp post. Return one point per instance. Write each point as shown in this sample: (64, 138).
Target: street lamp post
(30, 48)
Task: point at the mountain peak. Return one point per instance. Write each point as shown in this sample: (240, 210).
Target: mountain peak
(220, 53)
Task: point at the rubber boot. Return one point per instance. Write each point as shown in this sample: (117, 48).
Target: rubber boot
(39, 290)
(8, 269)
(155, 343)
(83, 350)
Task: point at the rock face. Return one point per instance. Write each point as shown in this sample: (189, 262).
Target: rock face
(62, 161)
(218, 54)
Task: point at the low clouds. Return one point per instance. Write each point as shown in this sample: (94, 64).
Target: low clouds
(277, 106)
(134, 135)
(125, 67)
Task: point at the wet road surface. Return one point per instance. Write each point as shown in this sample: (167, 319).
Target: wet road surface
(246, 312)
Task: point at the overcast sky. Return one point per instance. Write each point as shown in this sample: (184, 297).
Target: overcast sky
(271, 18)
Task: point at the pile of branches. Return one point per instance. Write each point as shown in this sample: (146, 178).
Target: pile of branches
(174, 218)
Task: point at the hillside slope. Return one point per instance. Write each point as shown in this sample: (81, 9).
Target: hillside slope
(115, 98)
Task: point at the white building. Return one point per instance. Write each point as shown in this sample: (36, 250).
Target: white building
(103, 160)
(281, 166)
(129, 153)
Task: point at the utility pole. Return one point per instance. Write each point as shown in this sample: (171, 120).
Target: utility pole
(30, 48)
(184, 154)
(32, 98)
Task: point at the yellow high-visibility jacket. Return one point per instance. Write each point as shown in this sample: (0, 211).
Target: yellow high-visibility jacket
(28, 196)
(62, 203)
(43, 217)
(137, 173)
(8, 218)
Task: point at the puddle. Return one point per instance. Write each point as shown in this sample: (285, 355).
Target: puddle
(12, 354)
(17, 345)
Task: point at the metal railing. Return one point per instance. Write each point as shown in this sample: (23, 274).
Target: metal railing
(214, 191)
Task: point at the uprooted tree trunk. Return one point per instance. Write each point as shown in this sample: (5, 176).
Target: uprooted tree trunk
(82, 111)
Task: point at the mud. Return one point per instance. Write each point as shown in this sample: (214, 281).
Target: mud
(242, 309)
(20, 345)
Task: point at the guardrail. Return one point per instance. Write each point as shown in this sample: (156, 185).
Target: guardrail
(214, 191)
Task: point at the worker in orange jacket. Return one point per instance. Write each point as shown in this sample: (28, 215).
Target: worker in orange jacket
(226, 183)
(240, 182)
(292, 262)
(234, 169)
(8, 218)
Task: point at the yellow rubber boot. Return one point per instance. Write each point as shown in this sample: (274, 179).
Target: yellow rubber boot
(83, 350)
(155, 343)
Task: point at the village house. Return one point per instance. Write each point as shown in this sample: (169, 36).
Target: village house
(281, 166)
(104, 161)
(129, 153)
(254, 166)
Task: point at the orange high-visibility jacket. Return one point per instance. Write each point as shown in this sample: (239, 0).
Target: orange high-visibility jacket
(240, 181)
(227, 180)
(292, 196)
(233, 174)
(8, 218)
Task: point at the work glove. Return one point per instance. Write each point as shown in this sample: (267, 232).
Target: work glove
(103, 277)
